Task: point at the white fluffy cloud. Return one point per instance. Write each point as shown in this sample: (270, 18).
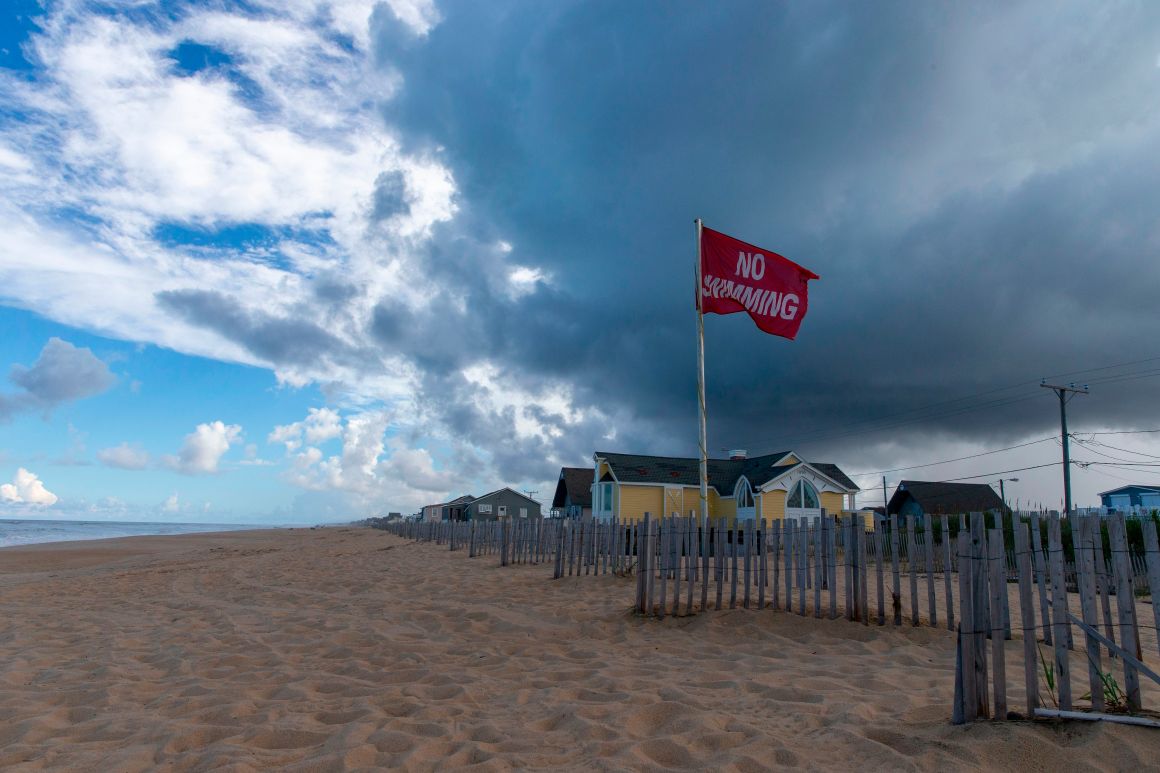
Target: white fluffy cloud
(282, 135)
(416, 468)
(204, 447)
(27, 488)
(124, 457)
(320, 425)
(369, 467)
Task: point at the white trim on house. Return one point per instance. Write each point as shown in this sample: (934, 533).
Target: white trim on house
(778, 483)
(744, 513)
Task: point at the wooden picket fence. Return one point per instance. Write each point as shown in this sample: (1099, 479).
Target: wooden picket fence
(913, 571)
(1048, 677)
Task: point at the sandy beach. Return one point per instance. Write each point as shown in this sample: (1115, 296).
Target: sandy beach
(344, 649)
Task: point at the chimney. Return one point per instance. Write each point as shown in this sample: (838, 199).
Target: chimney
(738, 455)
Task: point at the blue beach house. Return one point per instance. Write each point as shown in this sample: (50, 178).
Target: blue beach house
(1129, 497)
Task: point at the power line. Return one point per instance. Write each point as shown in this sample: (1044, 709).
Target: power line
(948, 461)
(1125, 450)
(1125, 432)
(1125, 377)
(1107, 474)
(1089, 443)
(1002, 472)
(1105, 367)
(1122, 465)
(1097, 452)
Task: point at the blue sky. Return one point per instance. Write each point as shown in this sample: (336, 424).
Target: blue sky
(313, 260)
(158, 397)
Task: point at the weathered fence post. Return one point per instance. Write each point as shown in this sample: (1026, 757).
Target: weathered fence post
(666, 537)
(981, 623)
(641, 573)
(1059, 612)
(763, 549)
(775, 556)
(1027, 612)
(928, 527)
(504, 537)
(690, 562)
(897, 591)
(950, 600)
(966, 708)
(1126, 606)
(832, 563)
(1041, 572)
(733, 537)
(912, 565)
(718, 561)
(748, 531)
(880, 574)
(1152, 558)
(790, 553)
(705, 563)
(1084, 547)
(848, 551)
(998, 585)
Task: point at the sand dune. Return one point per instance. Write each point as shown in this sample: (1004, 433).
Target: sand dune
(343, 649)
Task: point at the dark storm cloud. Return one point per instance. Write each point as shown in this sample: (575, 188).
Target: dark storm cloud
(975, 187)
(280, 340)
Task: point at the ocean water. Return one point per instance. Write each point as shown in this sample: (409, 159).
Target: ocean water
(34, 531)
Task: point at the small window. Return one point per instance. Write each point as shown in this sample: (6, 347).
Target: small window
(503, 510)
(523, 512)
(485, 508)
(606, 497)
(743, 493)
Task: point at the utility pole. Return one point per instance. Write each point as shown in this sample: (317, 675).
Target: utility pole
(1003, 491)
(1063, 393)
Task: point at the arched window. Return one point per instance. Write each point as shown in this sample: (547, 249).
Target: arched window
(803, 496)
(743, 493)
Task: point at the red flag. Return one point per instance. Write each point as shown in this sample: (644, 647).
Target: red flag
(736, 276)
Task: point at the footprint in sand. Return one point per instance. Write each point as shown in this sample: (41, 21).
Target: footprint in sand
(287, 739)
(339, 717)
(668, 754)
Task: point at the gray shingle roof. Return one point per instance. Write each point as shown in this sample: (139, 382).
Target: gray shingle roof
(575, 485)
(723, 473)
(936, 497)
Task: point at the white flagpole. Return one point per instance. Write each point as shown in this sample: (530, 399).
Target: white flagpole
(701, 388)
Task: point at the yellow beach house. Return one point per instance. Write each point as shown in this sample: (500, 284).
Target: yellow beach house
(773, 486)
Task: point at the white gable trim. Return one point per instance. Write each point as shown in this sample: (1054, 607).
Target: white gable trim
(782, 482)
